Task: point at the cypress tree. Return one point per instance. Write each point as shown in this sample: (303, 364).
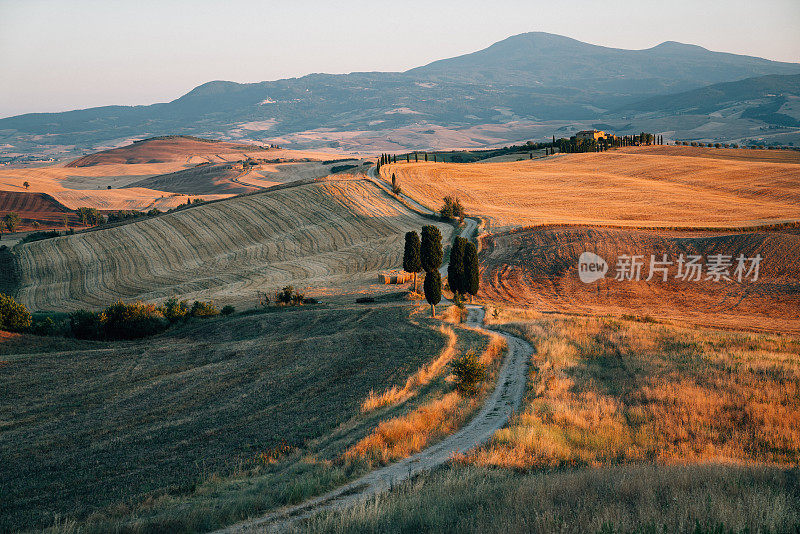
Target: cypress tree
(433, 289)
(455, 269)
(416, 157)
(426, 157)
(411, 256)
(394, 182)
(431, 248)
(394, 158)
(408, 160)
(471, 275)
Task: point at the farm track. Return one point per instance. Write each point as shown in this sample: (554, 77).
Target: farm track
(322, 234)
(504, 400)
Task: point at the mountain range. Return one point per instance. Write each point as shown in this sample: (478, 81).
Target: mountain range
(528, 85)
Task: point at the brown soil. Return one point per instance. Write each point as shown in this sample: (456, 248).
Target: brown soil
(538, 268)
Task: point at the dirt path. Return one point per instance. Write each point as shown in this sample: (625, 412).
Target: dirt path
(505, 399)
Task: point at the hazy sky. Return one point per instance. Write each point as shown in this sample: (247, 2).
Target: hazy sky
(69, 54)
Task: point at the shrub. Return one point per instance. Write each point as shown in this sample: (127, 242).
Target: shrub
(452, 208)
(227, 310)
(43, 327)
(38, 236)
(84, 324)
(131, 321)
(288, 295)
(469, 373)
(13, 316)
(204, 309)
(12, 221)
(174, 310)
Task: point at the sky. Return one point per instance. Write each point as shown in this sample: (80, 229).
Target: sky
(73, 54)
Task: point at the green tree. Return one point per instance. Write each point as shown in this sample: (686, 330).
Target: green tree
(431, 248)
(469, 373)
(455, 269)
(26, 185)
(412, 262)
(471, 277)
(13, 316)
(433, 289)
(11, 221)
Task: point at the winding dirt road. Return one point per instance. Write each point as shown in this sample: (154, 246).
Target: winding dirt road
(504, 400)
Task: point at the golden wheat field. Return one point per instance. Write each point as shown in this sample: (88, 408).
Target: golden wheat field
(634, 188)
(326, 236)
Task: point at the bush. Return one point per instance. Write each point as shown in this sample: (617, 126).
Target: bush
(131, 321)
(174, 310)
(452, 208)
(469, 373)
(84, 324)
(288, 295)
(43, 327)
(227, 310)
(14, 317)
(203, 309)
(38, 236)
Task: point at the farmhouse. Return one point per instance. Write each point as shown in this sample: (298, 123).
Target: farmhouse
(590, 135)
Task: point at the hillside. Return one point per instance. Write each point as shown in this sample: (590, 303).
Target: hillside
(173, 148)
(754, 98)
(35, 207)
(538, 268)
(119, 427)
(327, 236)
(527, 78)
(650, 187)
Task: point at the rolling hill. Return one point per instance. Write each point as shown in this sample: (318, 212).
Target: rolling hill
(533, 76)
(329, 236)
(664, 186)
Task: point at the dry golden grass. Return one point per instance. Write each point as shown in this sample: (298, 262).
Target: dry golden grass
(422, 377)
(612, 188)
(330, 236)
(407, 434)
(604, 391)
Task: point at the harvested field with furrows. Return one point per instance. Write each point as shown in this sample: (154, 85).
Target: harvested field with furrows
(186, 149)
(35, 207)
(201, 426)
(160, 150)
(201, 180)
(617, 188)
(738, 154)
(538, 268)
(328, 237)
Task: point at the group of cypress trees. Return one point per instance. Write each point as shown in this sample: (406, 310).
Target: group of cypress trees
(426, 255)
(462, 271)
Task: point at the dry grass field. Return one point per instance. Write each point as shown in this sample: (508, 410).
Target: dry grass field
(604, 391)
(635, 188)
(707, 499)
(200, 426)
(627, 426)
(326, 237)
(538, 268)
